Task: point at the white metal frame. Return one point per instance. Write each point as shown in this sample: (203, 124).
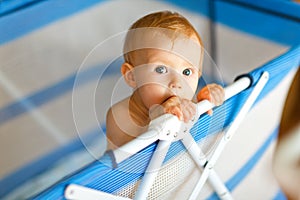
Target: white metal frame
(168, 129)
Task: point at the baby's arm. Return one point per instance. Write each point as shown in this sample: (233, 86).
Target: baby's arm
(115, 136)
(213, 93)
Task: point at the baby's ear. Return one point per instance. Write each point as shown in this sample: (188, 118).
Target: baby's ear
(127, 72)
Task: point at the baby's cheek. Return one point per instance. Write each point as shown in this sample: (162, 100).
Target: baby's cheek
(151, 79)
(189, 93)
(152, 94)
(190, 87)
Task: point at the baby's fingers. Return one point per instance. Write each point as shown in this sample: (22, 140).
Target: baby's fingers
(174, 110)
(210, 112)
(204, 94)
(217, 96)
(189, 111)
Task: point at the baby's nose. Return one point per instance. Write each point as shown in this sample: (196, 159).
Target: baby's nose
(175, 83)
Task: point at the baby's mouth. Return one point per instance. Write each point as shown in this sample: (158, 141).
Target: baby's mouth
(169, 97)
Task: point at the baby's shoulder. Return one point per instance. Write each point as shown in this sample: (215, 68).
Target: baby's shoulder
(120, 109)
(121, 106)
(119, 116)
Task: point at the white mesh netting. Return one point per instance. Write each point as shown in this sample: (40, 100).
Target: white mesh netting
(177, 177)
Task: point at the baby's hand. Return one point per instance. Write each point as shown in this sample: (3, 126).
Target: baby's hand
(213, 93)
(184, 109)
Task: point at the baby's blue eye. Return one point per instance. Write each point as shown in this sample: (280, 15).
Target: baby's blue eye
(161, 69)
(187, 72)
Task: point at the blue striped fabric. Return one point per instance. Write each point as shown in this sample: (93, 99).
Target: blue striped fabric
(39, 98)
(46, 95)
(273, 24)
(10, 6)
(38, 166)
(39, 13)
(13, 30)
(100, 174)
(284, 14)
(283, 8)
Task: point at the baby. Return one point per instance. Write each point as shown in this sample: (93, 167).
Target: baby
(163, 56)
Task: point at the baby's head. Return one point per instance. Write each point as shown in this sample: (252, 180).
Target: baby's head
(162, 30)
(163, 56)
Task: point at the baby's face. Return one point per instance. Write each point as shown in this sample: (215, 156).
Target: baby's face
(161, 74)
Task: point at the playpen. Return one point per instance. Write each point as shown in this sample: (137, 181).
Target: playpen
(60, 72)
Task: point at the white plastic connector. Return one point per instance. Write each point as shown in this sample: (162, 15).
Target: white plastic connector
(77, 192)
(169, 127)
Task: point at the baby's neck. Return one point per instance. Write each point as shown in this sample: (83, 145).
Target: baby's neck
(139, 113)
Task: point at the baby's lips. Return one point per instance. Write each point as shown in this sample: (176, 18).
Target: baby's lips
(170, 97)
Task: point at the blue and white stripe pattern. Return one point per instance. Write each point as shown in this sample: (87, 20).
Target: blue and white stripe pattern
(42, 44)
